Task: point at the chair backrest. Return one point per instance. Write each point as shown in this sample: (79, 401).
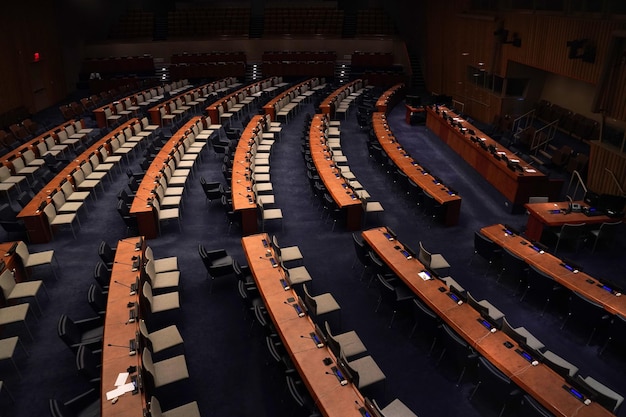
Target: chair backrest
(485, 247)
(22, 251)
(58, 199)
(600, 393)
(332, 343)
(68, 331)
(87, 363)
(106, 253)
(4, 172)
(424, 256)
(493, 380)
(309, 301)
(101, 274)
(7, 282)
(146, 292)
(531, 408)
(96, 299)
(572, 231)
(155, 407)
(513, 265)
(50, 212)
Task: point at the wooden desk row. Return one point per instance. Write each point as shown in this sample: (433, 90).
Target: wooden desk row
(147, 220)
(390, 98)
(555, 215)
(225, 103)
(515, 179)
(539, 381)
(330, 103)
(34, 218)
(131, 104)
(39, 145)
(332, 398)
(184, 98)
(118, 332)
(565, 275)
(416, 173)
(275, 104)
(338, 188)
(244, 202)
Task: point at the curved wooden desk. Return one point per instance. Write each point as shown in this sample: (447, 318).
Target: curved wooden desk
(213, 109)
(541, 382)
(271, 106)
(118, 332)
(330, 175)
(442, 194)
(34, 218)
(147, 221)
(327, 106)
(553, 215)
(390, 98)
(579, 282)
(332, 398)
(517, 184)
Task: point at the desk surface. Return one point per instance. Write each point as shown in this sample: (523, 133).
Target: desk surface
(327, 106)
(539, 381)
(118, 332)
(241, 181)
(141, 209)
(35, 219)
(390, 97)
(336, 185)
(414, 170)
(553, 215)
(517, 186)
(332, 398)
(553, 266)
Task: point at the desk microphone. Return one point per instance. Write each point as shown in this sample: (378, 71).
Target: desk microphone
(298, 309)
(133, 287)
(337, 373)
(314, 338)
(131, 346)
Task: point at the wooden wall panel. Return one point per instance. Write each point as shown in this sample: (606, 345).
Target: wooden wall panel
(603, 156)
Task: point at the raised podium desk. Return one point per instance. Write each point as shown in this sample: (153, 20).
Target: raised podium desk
(331, 398)
(512, 177)
(542, 215)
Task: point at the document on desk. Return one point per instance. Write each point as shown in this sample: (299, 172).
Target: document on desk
(122, 389)
(121, 379)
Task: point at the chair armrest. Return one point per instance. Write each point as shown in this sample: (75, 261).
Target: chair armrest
(216, 254)
(81, 401)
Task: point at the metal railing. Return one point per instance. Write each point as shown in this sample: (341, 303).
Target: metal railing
(543, 136)
(579, 183)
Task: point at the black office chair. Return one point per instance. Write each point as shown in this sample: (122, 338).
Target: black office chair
(87, 332)
(574, 233)
(129, 221)
(102, 275)
(361, 253)
(605, 233)
(396, 295)
(463, 356)
(97, 299)
(542, 284)
(529, 407)
(301, 397)
(495, 384)
(514, 268)
(616, 334)
(86, 404)
(426, 320)
(218, 263)
(107, 254)
(89, 365)
(487, 249)
(586, 313)
(211, 190)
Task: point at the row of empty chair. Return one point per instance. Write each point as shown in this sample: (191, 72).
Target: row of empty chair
(282, 105)
(463, 328)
